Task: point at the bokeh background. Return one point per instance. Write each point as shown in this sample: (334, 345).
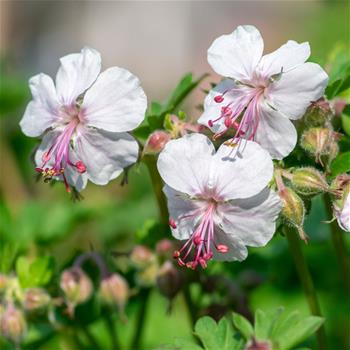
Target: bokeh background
(159, 42)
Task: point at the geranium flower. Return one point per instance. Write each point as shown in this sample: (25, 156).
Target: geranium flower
(218, 201)
(261, 93)
(343, 215)
(84, 118)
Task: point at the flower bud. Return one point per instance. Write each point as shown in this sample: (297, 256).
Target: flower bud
(164, 248)
(141, 257)
(156, 142)
(320, 142)
(35, 298)
(12, 324)
(293, 210)
(76, 285)
(319, 113)
(114, 290)
(147, 276)
(309, 181)
(169, 280)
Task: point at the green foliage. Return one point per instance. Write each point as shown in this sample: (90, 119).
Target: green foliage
(339, 76)
(341, 164)
(282, 330)
(35, 273)
(156, 114)
(346, 119)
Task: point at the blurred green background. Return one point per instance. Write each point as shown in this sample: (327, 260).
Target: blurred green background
(158, 41)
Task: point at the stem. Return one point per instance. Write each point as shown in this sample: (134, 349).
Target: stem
(306, 281)
(157, 183)
(112, 331)
(140, 319)
(339, 245)
(192, 309)
(90, 337)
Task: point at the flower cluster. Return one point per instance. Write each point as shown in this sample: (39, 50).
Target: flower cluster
(220, 199)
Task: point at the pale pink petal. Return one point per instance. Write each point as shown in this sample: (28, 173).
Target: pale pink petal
(184, 211)
(287, 57)
(116, 102)
(105, 154)
(237, 54)
(343, 216)
(241, 171)
(275, 133)
(184, 163)
(42, 112)
(73, 177)
(251, 220)
(296, 89)
(76, 74)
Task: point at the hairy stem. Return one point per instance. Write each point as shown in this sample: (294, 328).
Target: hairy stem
(306, 281)
(140, 319)
(339, 245)
(157, 183)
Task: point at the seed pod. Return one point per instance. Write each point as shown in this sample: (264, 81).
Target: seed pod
(35, 299)
(169, 280)
(114, 290)
(12, 324)
(141, 257)
(293, 210)
(76, 286)
(309, 181)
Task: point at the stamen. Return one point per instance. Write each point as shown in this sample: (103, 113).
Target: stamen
(172, 223)
(218, 98)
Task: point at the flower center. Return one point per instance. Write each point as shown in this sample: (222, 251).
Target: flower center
(198, 248)
(241, 114)
(58, 154)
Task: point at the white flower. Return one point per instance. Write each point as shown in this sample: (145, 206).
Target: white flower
(261, 93)
(343, 215)
(217, 202)
(84, 118)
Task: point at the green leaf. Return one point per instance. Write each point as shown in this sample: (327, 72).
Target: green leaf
(345, 118)
(216, 336)
(243, 326)
(167, 123)
(261, 325)
(185, 344)
(341, 164)
(300, 331)
(34, 274)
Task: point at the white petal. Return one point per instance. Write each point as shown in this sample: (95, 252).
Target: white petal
(105, 154)
(212, 109)
(297, 88)
(116, 102)
(237, 250)
(251, 220)
(76, 74)
(285, 58)
(275, 133)
(343, 216)
(240, 172)
(42, 111)
(180, 205)
(237, 54)
(184, 163)
(73, 177)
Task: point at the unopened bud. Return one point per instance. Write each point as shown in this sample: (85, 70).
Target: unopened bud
(114, 290)
(156, 142)
(169, 280)
(320, 142)
(35, 299)
(319, 113)
(293, 210)
(12, 324)
(309, 181)
(76, 285)
(141, 257)
(164, 248)
(147, 276)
